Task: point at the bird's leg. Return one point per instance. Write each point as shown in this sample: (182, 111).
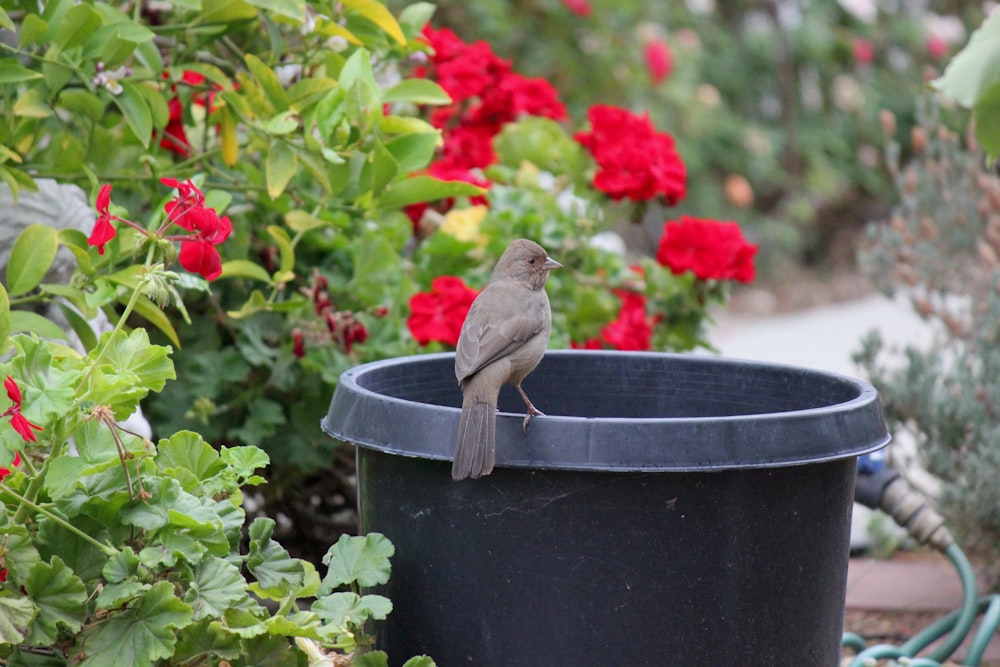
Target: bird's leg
(532, 410)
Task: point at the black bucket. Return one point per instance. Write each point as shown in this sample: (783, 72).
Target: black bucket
(669, 510)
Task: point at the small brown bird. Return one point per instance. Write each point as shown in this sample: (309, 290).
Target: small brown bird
(503, 338)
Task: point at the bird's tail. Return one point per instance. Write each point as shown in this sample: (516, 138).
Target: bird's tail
(475, 452)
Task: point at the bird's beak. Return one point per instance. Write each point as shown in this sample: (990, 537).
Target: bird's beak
(551, 264)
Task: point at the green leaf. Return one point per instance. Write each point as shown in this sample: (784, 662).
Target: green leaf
(33, 30)
(15, 616)
(217, 586)
(986, 117)
(189, 451)
(414, 151)
(30, 258)
(5, 21)
(31, 104)
(81, 327)
(155, 316)
(362, 95)
(83, 102)
(134, 354)
(293, 9)
(379, 15)
(141, 634)
(416, 91)
(380, 168)
(307, 92)
(13, 73)
(285, 248)
(244, 460)
(204, 638)
(285, 122)
(281, 166)
(372, 659)
(420, 661)
(4, 315)
(241, 268)
(424, 188)
(135, 110)
(25, 321)
(976, 67)
(268, 81)
(357, 559)
(415, 16)
(268, 561)
(75, 26)
(347, 607)
(61, 598)
(301, 221)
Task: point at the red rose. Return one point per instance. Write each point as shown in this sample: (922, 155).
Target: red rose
(439, 314)
(659, 62)
(712, 250)
(633, 159)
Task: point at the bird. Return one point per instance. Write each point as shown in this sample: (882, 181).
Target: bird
(502, 339)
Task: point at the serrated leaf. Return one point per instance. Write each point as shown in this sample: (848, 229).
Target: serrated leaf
(155, 316)
(974, 68)
(123, 565)
(377, 13)
(141, 634)
(420, 661)
(363, 560)
(347, 607)
(244, 459)
(134, 354)
(209, 638)
(76, 25)
(61, 598)
(416, 91)
(424, 188)
(280, 168)
(268, 561)
(16, 615)
(135, 110)
(217, 586)
(372, 659)
(30, 258)
(188, 450)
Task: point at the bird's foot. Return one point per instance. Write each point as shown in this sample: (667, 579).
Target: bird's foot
(532, 412)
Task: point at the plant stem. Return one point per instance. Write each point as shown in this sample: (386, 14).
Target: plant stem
(106, 549)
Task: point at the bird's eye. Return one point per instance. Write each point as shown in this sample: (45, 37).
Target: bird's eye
(531, 261)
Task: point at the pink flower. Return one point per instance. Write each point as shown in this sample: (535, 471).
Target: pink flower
(864, 52)
(937, 47)
(581, 8)
(659, 62)
(104, 231)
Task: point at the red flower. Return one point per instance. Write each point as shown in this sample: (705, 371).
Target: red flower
(633, 330)
(24, 428)
(712, 250)
(633, 159)
(581, 8)
(104, 231)
(188, 197)
(659, 62)
(439, 314)
(6, 471)
(188, 211)
(864, 52)
(589, 344)
(446, 44)
(174, 137)
(937, 47)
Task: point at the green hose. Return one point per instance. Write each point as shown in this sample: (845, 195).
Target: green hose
(956, 625)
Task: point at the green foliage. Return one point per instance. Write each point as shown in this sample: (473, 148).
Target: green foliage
(940, 250)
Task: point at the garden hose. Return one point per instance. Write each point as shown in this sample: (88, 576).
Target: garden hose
(883, 488)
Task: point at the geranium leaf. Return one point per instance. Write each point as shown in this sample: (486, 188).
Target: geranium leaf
(141, 634)
(61, 598)
(420, 661)
(187, 450)
(217, 586)
(30, 258)
(347, 607)
(244, 460)
(424, 188)
(134, 353)
(357, 559)
(207, 637)
(15, 616)
(268, 561)
(372, 659)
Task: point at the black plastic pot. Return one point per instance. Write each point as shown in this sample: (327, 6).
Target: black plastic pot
(670, 510)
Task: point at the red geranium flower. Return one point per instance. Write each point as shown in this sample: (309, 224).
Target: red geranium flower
(712, 250)
(633, 330)
(439, 314)
(633, 159)
(6, 471)
(25, 428)
(104, 231)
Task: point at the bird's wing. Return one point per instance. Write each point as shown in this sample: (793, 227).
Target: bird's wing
(495, 326)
